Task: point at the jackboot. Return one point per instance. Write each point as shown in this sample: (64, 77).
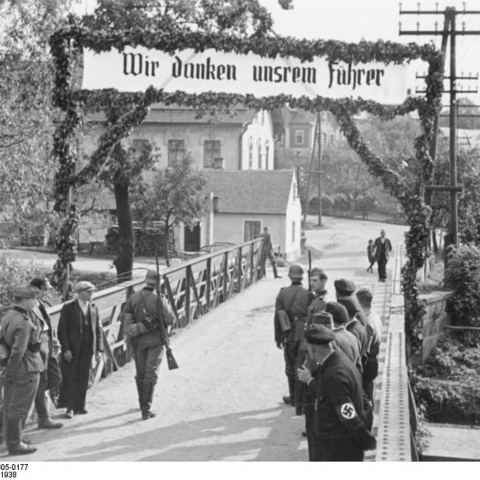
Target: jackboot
(275, 272)
(14, 439)
(140, 392)
(147, 397)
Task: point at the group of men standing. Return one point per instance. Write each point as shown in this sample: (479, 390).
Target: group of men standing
(30, 358)
(330, 351)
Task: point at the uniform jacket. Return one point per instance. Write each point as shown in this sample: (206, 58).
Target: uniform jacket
(317, 305)
(145, 301)
(347, 342)
(339, 411)
(377, 248)
(294, 300)
(19, 332)
(70, 327)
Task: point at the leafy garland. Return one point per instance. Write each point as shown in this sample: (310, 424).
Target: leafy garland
(135, 105)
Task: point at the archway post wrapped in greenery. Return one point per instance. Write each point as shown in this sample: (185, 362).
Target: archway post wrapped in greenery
(75, 103)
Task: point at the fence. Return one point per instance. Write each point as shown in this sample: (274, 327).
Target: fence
(192, 288)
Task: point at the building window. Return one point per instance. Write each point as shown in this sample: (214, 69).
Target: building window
(176, 151)
(139, 146)
(324, 139)
(293, 232)
(211, 150)
(250, 153)
(251, 229)
(259, 153)
(332, 139)
(299, 137)
(267, 154)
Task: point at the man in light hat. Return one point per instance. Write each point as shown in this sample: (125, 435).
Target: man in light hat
(340, 431)
(141, 323)
(21, 336)
(80, 335)
(289, 320)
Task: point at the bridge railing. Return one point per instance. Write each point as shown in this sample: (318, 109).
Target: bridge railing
(394, 434)
(192, 289)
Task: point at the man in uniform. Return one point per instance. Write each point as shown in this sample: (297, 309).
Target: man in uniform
(46, 351)
(290, 312)
(340, 427)
(305, 401)
(267, 252)
(370, 371)
(22, 338)
(345, 341)
(142, 325)
(81, 337)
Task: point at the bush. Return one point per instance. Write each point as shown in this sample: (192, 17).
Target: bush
(12, 274)
(446, 387)
(463, 276)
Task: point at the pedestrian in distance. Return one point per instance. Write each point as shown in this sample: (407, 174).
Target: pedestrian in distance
(289, 321)
(81, 338)
(20, 335)
(46, 352)
(381, 252)
(340, 429)
(371, 258)
(143, 326)
(267, 252)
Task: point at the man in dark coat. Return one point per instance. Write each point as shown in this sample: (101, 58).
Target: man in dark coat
(141, 323)
(80, 335)
(21, 336)
(267, 252)
(381, 252)
(341, 433)
(290, 313)
(46, 352)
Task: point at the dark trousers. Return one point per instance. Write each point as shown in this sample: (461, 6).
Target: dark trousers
(147, 362)
(382, 268)
(331, 449)
(76, 374)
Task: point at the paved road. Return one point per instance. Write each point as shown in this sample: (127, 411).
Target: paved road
(224, 402)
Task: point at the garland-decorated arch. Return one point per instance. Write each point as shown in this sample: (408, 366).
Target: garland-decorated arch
(68, 43)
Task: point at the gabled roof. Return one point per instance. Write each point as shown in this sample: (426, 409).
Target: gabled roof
(159, 113)
(250, 191)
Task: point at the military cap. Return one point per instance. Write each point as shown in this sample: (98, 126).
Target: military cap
(351, 304)
(344, 286)
(84, 285)
(151, 277)
(338, 312)
(319, 334)
(319, 272)
(25, 292)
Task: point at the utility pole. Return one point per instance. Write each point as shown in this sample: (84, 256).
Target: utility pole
(450, 29)
(317, 137)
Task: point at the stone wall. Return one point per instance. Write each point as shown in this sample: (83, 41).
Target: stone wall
(435, 319)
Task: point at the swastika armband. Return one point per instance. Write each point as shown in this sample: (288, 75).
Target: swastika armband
(346, 411)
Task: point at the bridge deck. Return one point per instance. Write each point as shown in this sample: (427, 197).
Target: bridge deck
(222, 404)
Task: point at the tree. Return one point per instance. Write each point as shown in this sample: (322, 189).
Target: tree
(345, 176)
(26, 113)
(174, 196)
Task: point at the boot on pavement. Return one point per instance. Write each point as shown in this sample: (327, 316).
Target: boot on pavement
(14, 439)
(147, 397)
